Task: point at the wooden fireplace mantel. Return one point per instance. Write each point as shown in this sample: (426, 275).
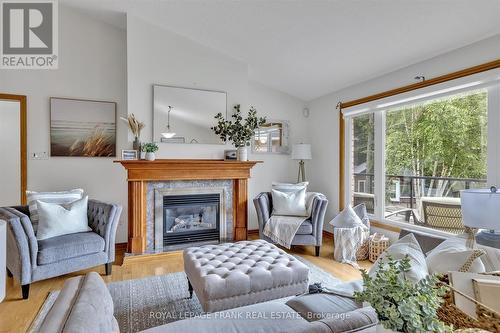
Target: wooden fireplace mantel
(139, 172)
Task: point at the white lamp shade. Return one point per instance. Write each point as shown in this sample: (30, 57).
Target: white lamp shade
(481, 209)
(301, 151)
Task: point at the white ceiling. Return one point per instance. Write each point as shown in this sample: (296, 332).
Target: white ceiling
(308, 48)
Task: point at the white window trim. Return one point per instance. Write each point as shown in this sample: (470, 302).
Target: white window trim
(490, 81)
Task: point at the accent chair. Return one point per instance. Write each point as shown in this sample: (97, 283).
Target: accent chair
(30, 260)
(310, 231)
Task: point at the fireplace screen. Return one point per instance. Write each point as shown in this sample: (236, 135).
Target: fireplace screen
(191, 218)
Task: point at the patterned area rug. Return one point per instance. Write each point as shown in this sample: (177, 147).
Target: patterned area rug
(153, 301)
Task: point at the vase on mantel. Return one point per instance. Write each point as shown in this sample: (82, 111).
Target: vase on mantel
(242, 154)
(150, 156)
(136, 145)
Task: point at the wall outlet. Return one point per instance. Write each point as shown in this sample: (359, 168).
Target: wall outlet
(41, 155)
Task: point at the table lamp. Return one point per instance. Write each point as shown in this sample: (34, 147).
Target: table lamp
(481, 210)
(301, 152)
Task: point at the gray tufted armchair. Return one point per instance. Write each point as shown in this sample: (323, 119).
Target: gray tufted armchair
(30, 260)
(310, 231)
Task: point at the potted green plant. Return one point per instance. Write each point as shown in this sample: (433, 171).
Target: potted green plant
(150, 149)
(238, 130)
(401, 304)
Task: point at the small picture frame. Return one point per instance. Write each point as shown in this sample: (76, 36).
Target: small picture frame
(230, 155)
(128, 155)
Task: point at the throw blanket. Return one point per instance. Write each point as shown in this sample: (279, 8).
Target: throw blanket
(281, 229)
(347, 241)
(346, 289)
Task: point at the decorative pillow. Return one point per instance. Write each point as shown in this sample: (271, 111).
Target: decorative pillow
(289, 187)
(408, 245)
(347, 219)
(56, 220)
(292, 203)
(360, 210)
(62, 197)
(453, 255)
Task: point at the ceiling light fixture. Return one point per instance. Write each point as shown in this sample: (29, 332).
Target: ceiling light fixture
(168, 134)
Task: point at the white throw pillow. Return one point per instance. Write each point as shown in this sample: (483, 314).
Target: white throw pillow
(451, 255)
(347, 219)
(408, 245)
(62, 197)
(56, 220)
(291, 203)
(289, 187)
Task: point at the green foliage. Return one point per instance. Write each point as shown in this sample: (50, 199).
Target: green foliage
(238, 130)
(402, 305)
(150, 147)
(440, 138)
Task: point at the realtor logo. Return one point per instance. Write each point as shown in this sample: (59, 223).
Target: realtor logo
(29, 34)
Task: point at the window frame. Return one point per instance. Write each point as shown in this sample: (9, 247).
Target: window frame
(493, 150)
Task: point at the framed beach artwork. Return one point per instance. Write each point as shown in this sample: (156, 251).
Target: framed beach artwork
(82, 128)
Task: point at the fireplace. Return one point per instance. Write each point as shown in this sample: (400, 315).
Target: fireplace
(186, 215)
(191, 218)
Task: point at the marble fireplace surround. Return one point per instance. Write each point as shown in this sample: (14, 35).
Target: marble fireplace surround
(156, 191)
(143, 176)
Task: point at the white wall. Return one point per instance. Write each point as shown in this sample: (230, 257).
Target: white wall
(323, 123)
(92, 65)
(276, 167)
(158, 56)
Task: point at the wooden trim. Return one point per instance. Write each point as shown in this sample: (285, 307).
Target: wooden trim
(121, 247)
(327, 234)
(385, 226)
(430, 82)
(23, 140)
(253, 232)
(240, 209)
(341, 161)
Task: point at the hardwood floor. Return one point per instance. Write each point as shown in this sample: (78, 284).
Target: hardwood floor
(16, 314)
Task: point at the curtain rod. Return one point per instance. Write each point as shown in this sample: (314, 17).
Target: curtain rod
(426, 83)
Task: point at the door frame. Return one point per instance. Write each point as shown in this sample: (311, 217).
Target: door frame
(23, 140)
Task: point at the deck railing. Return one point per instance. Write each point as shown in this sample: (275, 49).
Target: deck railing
(407, 189)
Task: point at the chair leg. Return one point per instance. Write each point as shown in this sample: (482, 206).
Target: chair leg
(317, 250)
(108, 267)
(190, 288)
(25, 291)
(9, 273)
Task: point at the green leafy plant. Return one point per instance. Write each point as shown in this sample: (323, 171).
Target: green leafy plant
(402, 305)
(150, 147)
(238, 130)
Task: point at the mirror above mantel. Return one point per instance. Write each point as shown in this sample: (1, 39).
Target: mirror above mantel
(185, 115)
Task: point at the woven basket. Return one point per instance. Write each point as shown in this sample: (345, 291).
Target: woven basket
(378, 243)
(487, 319)
(363, 251)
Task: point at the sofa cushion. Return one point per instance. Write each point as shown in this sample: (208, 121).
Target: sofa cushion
(305, 228)
(68, 246)
(81, 298)
(406, 246)
(314, 307)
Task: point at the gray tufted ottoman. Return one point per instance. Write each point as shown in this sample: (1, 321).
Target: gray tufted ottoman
(230, 275)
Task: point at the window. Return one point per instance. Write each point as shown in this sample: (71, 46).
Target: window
(417, 155)
(363, 161)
